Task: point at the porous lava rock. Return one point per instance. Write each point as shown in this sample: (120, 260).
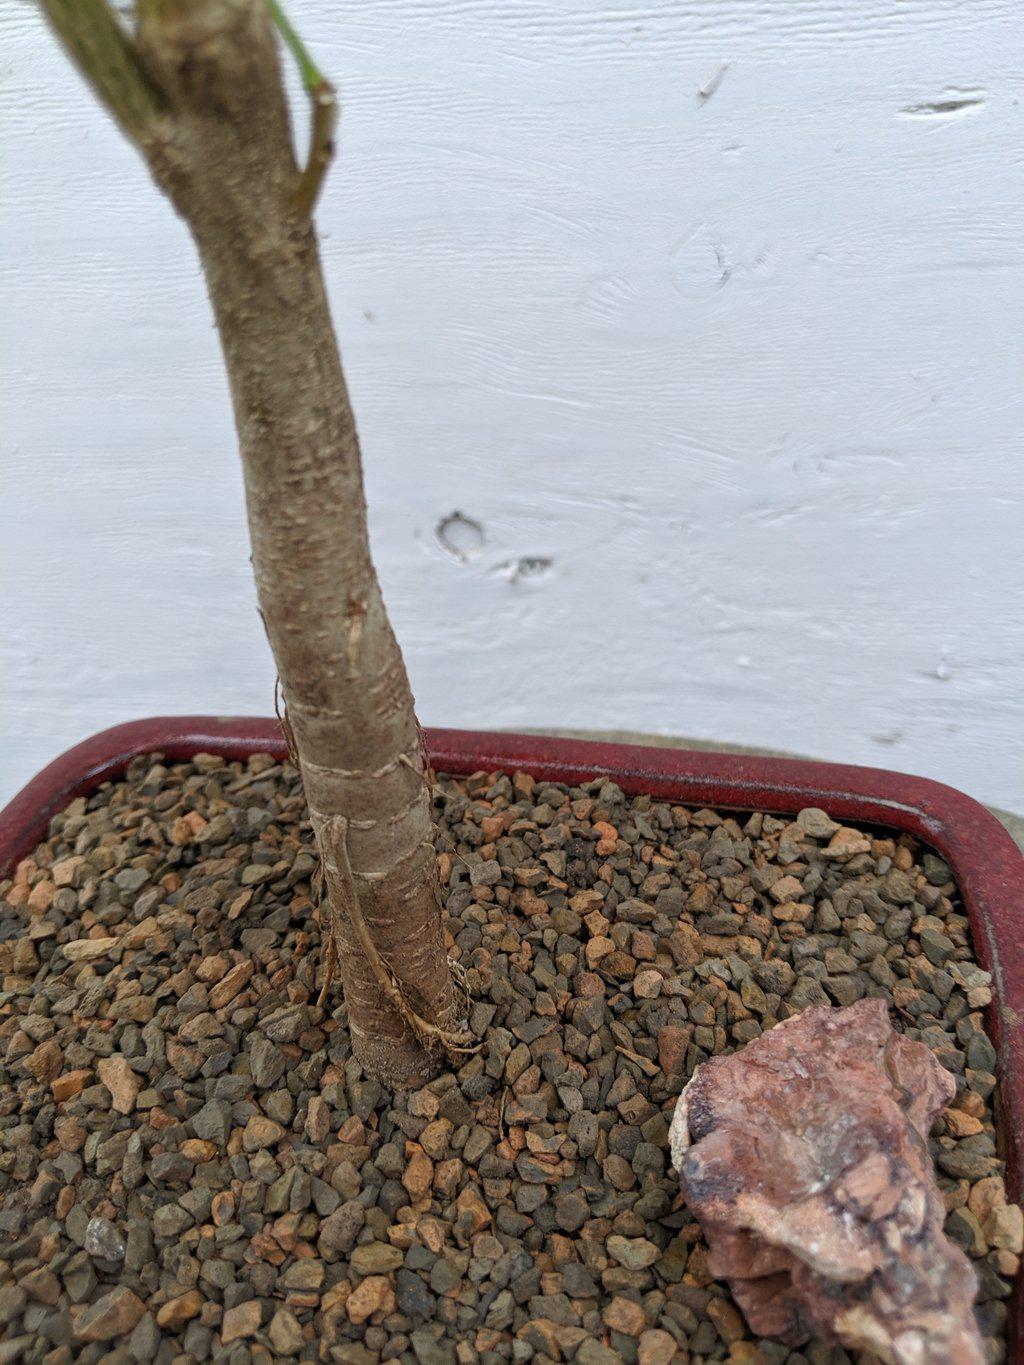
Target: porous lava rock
(805, 1158)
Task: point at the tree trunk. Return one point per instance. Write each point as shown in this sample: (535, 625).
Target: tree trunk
(221, 148)
(345, 685)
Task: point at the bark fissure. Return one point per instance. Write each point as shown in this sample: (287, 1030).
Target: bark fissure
(334, 836)
(219, 143)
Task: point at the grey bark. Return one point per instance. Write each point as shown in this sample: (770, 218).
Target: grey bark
(216, 135)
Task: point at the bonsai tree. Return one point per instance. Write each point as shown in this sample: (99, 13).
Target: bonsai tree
(196, 86)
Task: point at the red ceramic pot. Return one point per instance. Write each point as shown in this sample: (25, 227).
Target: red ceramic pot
(987, 865)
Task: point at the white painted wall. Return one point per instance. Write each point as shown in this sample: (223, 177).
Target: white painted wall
(746, 369)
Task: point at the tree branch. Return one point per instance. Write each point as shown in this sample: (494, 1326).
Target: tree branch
(104, 53)
(324, 106)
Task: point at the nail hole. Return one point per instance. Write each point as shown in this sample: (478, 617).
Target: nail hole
(527, 566)
(460, 536)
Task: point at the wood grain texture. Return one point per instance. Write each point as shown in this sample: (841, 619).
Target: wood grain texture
(743, 368)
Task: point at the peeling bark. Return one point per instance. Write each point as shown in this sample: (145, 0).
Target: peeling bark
(217, 137)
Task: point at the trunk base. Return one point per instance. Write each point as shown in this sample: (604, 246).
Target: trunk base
(388, 941)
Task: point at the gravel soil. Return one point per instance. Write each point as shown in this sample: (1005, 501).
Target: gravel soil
(193, 1168)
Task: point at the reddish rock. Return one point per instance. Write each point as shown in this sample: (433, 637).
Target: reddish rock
(647, 985)
(598, 948)
(66, 1087)
(212, 968)
(786, 889)
(804, 1156)
(656, 1347)
(109, 1317)
(42, 1285)
(86, 949)
(45, 1062)
(64, 871)
(40, 898)
(418, 1173)
(609, 837)
(177, 1311)
(241, 1321)
(1004, 1229)
(673, 1040)
(846, 843)
(261, 1132)
(686, 944)
(122, 1082)
(373, 1295)
(198, 1150)
(625, 1316)
(470, 1203)
(318, 1121)
(222, 1208)
(228, 987)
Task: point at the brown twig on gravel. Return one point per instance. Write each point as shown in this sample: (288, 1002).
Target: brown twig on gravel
(644, 1063)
